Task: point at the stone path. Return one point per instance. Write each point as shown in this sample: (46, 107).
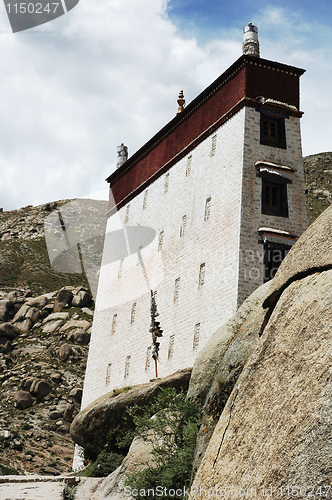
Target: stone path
(31, 487)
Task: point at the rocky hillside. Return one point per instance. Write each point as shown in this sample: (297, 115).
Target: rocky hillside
(43, 351)
(318, 181)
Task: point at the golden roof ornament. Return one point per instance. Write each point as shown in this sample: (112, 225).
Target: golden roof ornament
(181, 102)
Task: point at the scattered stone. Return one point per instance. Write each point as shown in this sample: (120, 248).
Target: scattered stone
(65, 352)
(63, 298)
(82, 324)
(56, 316)
(39, 302)
(25, 325)
(8, 331)
(68, 413)
(27, 383)
(3, 310)
(56, 378)
(51, 326)
(54, 415)
(22, 400)
(87, 311)
(81, 337)
(40, 387)
(83, 298)
(76, 395)
(33, 314)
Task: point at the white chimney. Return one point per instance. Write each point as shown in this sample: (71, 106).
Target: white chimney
(250, 44)
(122, 154)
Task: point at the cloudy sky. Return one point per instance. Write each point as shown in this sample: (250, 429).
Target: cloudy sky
(110, 71)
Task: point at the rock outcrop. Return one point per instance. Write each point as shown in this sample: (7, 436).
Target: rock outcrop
(108, 411)
(274, 431)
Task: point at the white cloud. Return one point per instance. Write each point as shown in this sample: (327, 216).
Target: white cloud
(106, 73)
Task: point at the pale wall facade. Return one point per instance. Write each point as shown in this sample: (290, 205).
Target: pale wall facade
(215, 192)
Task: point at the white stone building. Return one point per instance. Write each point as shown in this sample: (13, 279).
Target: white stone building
(202, 215)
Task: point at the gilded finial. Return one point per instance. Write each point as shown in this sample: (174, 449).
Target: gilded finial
(181, 102)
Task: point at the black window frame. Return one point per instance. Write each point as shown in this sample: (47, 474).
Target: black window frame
(271, 265)
(274, 181)
(266, 139)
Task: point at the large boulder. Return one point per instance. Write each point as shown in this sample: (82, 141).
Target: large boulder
(3, 310)
(40, 387)
(244, 329)
(8, 331)
(22, 400)
(276, 426)
(63, 299)
(109, 410)
(312, 252)
(39, 302)
(112, 486)
(207, 361)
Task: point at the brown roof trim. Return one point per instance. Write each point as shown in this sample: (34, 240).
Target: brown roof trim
(243, 102)
(199, 101)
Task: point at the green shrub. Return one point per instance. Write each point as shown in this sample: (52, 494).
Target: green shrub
(106, 463)
(172, 432)
(8, 471)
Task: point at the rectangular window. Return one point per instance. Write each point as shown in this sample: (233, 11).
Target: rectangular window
(273, 131)
(108, 373)
(201, 275)
(133, 313)
(207, 209)
(127, 367)
(196, 335)
(171, 347)
(274, 196)
(145, 199)
(114, 322)
(120, 268)
(127, 214)
(176, 289)
(148, 358)
(183, 226)
(274, 254)
(161, 240)
(214, 145)
(166, 183)
(188, 167)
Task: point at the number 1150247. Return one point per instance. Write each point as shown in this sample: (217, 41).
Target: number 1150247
(31, 8)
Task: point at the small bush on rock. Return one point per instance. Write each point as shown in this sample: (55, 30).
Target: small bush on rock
(170, 424)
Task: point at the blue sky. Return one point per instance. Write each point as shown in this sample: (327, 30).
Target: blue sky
(110, 72)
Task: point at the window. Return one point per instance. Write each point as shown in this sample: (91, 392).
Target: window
(148, 358)
(133, 313)
(274, 254)
(161, 240)
(188, 167)
(274, 195)
(127, 367)
(176, 289)
(166, 183)
(273, 131)
(145, 199)
(127, 214)
(183, 226)
(207, 209)
(120, 268)
(114, 322)
(108, 373)
(214, 145)
(201, 275)
(196, 335)
(171, 347)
